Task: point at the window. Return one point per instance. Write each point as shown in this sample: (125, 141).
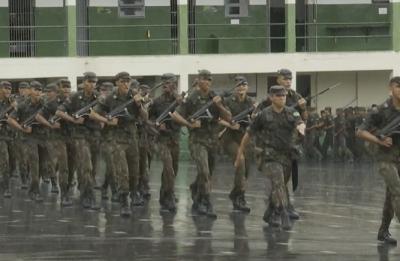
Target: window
(380, 1)
(236, 8)
(131, 8)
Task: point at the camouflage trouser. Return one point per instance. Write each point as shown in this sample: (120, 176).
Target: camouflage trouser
(45, 167)
(30, 154)
(4, 165)
(94, 143)
(71, 156)
(389, 172)
(144, 167)
(387, 212)
(108, 150)
(169, 155)
(59, 161)
(21, 160)
(277, 173)
(12, 154)
(126, 162)
(341, 151)
(328, 143)
(204, 158)
(241, 174)
(311, 146)
(83, 163)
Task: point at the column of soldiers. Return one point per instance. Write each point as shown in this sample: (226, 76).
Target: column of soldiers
(49, 130)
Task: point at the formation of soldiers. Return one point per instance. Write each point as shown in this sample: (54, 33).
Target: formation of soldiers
(49, 130)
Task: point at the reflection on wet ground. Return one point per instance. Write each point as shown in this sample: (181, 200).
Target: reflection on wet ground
(340, 207)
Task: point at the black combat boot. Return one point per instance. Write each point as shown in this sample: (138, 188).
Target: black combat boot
(24, 181)
(35, 196)
(54, 186)
(285, 220)
(268, 213)
(125, 210)
(241, 204)
(136, 199)
(84, 199)
(205, 207)
(385, 237)
(292, 212)
(66, 201)
(92, 200)
(168, 203)
(275, 219)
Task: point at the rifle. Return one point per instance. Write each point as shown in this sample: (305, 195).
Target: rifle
(199, 114)
(31, 120)
(389, 129)
(309, 98)
(85, 110)
(163, 116)
(240, 117)
(3, 114)
(121, 110)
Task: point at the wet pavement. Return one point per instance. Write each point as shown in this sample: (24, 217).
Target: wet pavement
(340, 207)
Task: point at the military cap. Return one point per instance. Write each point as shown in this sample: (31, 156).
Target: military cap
(90, 76)
(134, 84)
(36, 85)
(23, 85)
(395, 80)
(241, 81)
(169, 77)
(5, 84)
(122, 76)
(286, 73)
(277, 89)
(205, 74)
(64, 83)
(106, 86)
(51, 87)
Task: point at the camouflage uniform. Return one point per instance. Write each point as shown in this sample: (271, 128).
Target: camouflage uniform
(31, 141)
(312, 138)
(328, 141)
(56, 146)
(168, 148)
(123, 144)
(231, 141)
(341, 151)
(6, 138)
(274, 134)
(79, 139)
(144, 152)
(21, 163)
(388, 160)
(202, 147)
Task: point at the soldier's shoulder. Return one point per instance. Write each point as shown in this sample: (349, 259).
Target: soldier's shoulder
(292, 111)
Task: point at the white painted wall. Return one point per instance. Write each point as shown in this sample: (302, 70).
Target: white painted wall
(374, 69)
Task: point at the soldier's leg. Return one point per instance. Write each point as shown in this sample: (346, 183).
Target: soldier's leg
(122, 172)
(5, 169)
(31, 151)
(72, 162)
(389, 172)
(387, 216)
(108, 152)
(94, 144)
(144, 172)
(132, 157)
(22, 164)
(12, 154)
(278, 197)
(167, 199)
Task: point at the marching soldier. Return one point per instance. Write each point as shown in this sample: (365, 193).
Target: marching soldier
(21, 119)
(167, 140)
(231, 138)
(274, 129)
(121, 132)
(203, 135)
(80, 132)
(388, 153)
(57, 135)
(6, 136)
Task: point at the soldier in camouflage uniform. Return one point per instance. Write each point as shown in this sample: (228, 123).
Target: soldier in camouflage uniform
(273, 129)
(167, 141)
(121, 132)
(203, 136)
(293, 100)
(6, 137)
(329, 132)
(231, 138)
(312, 137)
(57, 135)
(388, 154)
(109, 180)
(30, 135)
(341, 151)
(80, 132)
(23, 92)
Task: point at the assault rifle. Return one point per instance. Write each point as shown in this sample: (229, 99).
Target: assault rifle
(390, 129)
(31, 120)
(243, 116)
(85, 110)
(311, 97)
(4, 113)
(203, 112)
(171, 108)
(121, 110)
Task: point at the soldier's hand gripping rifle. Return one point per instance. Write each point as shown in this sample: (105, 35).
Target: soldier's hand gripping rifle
(4, 113)
(390, 129)
(164, 116)
(85, 110)
(243, 116)
(31, 120)
(121, 110)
